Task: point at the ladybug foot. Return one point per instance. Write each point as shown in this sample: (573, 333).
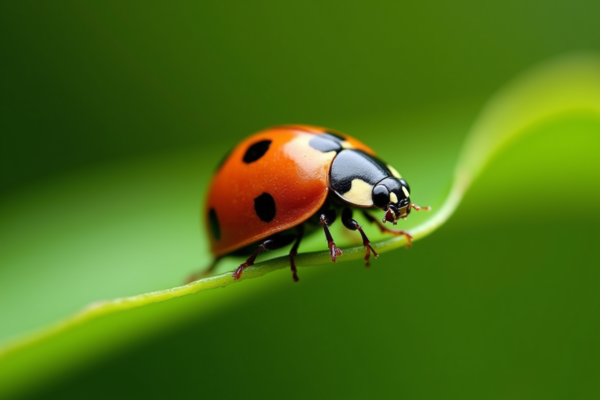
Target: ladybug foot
(334, 251)
(408, 237)
(370, 250)
(237, 274)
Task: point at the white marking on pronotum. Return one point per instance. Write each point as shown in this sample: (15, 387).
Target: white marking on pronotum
(394, 172)
(360, 193)
(346, 145)
(405, 190)
(393, 197)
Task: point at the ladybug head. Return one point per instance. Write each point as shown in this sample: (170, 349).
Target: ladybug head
(392, 196)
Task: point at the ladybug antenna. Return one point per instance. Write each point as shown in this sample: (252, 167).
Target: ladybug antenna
(418, 208)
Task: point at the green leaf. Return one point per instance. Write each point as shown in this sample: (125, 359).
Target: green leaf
(561, 86)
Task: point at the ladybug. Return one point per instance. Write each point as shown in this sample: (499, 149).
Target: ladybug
(285, 182)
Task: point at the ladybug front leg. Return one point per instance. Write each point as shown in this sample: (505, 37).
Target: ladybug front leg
(353, 226)
(327, 218)
(385, 229)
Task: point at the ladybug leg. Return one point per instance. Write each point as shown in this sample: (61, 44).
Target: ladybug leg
(204, 273)
(273, 243)
(385, 229)
(237, 274)
(327, 218)
(353, 226)
(294, 251)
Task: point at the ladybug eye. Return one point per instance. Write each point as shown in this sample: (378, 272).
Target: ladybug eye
(381, 196)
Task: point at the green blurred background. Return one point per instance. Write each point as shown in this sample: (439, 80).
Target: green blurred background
(114, 114)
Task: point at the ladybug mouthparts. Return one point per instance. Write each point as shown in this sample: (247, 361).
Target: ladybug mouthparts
(393, 213)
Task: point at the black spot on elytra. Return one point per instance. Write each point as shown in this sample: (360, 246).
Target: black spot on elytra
(264, 205)
(256, 151)
(213, 222)
(325, 143)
